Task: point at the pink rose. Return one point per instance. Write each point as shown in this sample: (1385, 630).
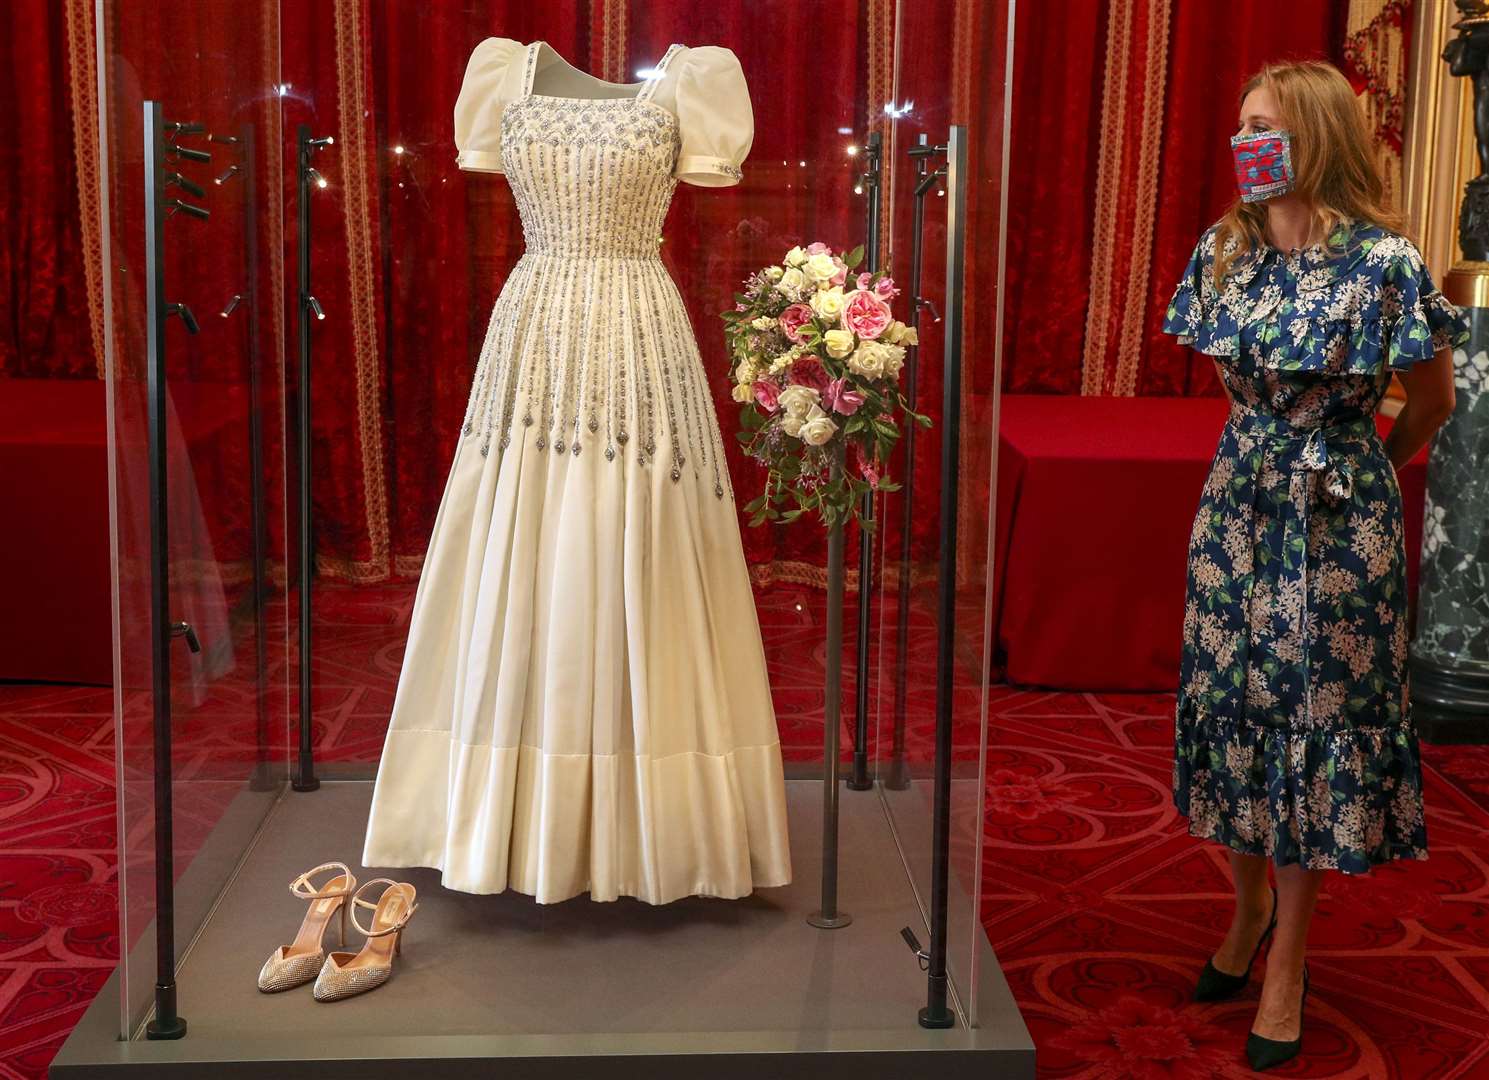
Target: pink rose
(841, 276)
(767, 394)
(865, 280)
(808, 371)
(794, 318)
(840, 399)
(866, 314)
(885, 289)
(817, 247)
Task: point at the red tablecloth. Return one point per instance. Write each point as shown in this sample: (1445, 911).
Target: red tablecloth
(1096, 497)
(55, 623)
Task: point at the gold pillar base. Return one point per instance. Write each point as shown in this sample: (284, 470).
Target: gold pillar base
(1467, 284)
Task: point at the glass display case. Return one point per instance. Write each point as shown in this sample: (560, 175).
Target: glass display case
(298, 324)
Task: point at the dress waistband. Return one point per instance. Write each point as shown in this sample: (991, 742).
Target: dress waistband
(600, 255)
(1250, 422)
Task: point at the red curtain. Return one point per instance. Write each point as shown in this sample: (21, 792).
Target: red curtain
(411, 252)
(45, 327)
(1057, 135)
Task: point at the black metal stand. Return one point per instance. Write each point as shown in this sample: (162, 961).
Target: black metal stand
(859, 780)
(926, 179)
(828, 917)
(937, 1014)
(306, 145)
(160, 204)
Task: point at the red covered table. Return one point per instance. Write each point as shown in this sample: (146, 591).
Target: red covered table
(56, 622)
(56, 618)
(1096, 497)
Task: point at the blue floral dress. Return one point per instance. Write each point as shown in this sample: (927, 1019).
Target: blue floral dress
(1293, 731)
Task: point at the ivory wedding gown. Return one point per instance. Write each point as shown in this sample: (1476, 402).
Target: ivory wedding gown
(583, 703)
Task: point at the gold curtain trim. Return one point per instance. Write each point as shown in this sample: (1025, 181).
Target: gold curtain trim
(1108, 178)
(356, 172)
(607, 38)
(1135, 305)
(82, 75)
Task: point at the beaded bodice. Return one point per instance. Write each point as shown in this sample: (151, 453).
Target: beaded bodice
(590, 177)
(589, 343)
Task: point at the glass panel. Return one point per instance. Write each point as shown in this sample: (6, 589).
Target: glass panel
(935, 88)
(410, 254)
(215, 63)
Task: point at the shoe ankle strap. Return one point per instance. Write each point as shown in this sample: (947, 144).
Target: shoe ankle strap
(403, 888)
(302, 887)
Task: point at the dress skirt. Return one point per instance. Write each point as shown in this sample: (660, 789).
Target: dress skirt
(583, 704)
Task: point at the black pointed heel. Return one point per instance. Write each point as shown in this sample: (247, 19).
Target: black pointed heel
(1264, 1053)
(1217, 985)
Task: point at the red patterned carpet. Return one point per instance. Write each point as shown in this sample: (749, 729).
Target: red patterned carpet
(1100, 907)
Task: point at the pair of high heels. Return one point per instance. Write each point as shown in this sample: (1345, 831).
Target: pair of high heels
(341, 974)
(1216, 985)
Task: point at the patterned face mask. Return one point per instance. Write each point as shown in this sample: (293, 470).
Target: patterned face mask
(1264, 164)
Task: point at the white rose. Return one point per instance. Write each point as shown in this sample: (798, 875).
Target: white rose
(819, 268)
(796, 256)
(839, 342)
(774, 272)
(816, 428)
(791, 283)
(743, 392)
(908, 336)
(797, 400)
(828, 303)
(745, 373)
(868, 360)
(894, 359)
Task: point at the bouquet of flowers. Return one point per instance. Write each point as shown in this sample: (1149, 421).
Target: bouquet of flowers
(816, 368)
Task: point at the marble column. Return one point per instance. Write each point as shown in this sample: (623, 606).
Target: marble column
(1450, 652)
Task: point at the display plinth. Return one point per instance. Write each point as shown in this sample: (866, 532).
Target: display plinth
(725, 988)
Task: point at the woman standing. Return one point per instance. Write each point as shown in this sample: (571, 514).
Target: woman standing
(1294, 741)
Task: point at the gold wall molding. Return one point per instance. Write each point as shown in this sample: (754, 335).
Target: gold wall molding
(1439, 156)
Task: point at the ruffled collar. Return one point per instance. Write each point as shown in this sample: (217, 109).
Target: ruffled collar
(1317, 267)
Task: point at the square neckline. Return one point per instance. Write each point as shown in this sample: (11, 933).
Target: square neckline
(539, 44)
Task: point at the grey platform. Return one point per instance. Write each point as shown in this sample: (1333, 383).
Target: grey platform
(501, 985)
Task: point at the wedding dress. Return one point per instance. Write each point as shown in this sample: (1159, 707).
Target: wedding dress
(583, 703)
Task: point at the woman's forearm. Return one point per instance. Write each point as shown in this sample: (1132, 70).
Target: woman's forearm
(1413, 427)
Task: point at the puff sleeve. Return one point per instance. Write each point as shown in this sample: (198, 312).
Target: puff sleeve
(478, 108)
(1418, 319)
(1195, 313)
(715, 118)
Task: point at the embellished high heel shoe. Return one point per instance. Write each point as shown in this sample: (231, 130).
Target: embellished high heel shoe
(1217, 985)
(1263, 1053)
(291, 965)
(344, 973)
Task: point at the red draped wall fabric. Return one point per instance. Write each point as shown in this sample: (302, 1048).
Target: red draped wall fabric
(45, 328)
(1057, 135)
(410, 252)
(1208, 60)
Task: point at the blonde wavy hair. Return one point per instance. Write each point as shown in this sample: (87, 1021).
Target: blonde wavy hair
(1332, 157)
